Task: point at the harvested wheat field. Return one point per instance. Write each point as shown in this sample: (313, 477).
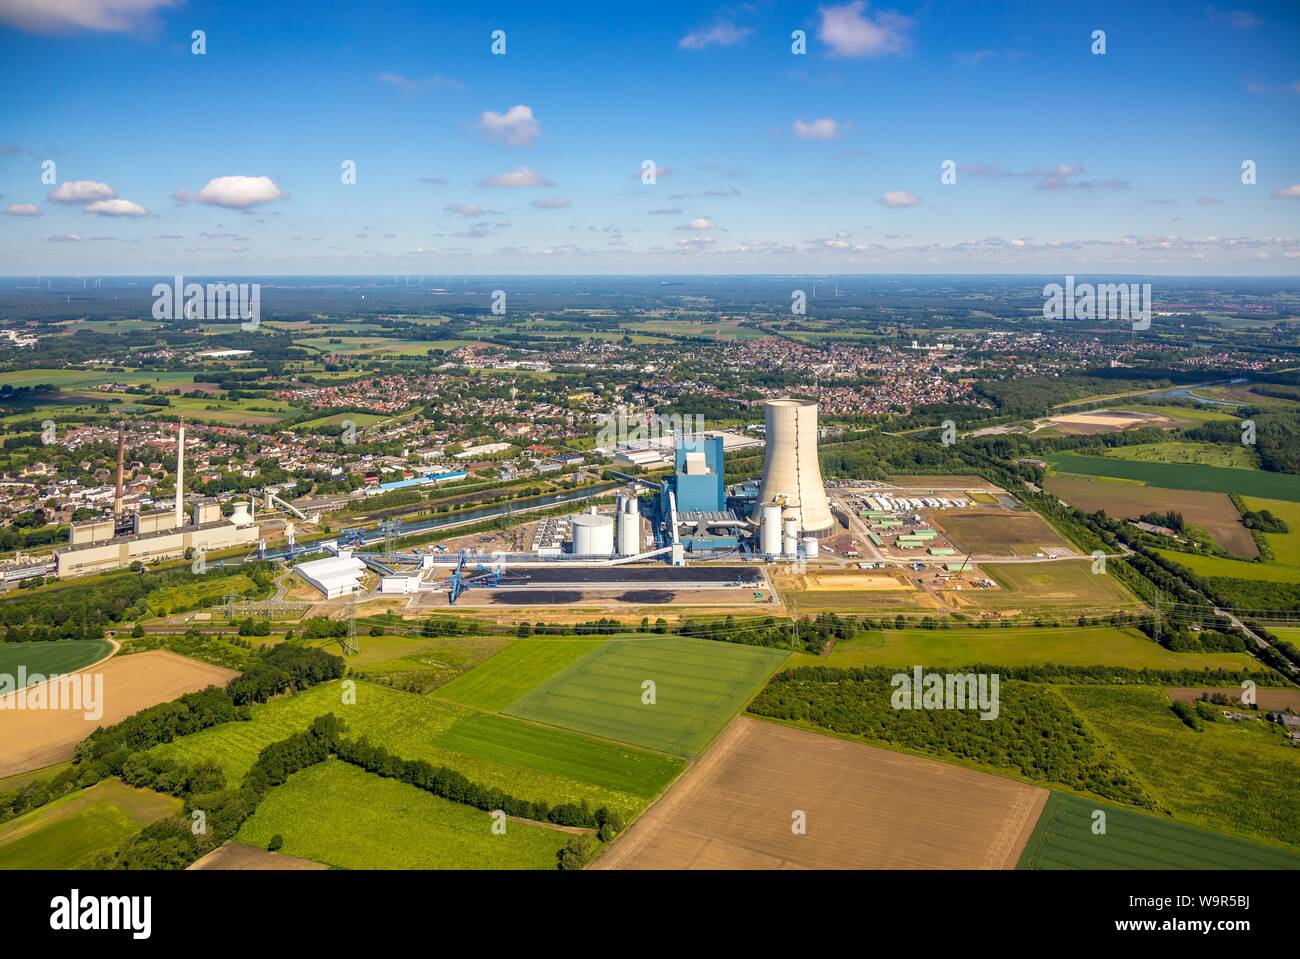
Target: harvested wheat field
(866, 808)
(1266, 697)
(837, 581)
(238, 855)
(41, 737)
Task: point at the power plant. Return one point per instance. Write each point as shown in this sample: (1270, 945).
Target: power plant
(101, 545)
(792, 476)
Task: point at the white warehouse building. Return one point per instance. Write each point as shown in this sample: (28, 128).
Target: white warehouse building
(334, 576)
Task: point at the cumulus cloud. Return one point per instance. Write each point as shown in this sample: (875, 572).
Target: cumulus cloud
(823, 128)
(552, 203)
(234, 192)
(521, 178)
(723, 33)
(77, 192)
(116, 208)
(58, 16)
(897, 198)
(850, 32)
(517, 127)
(699, 223)
(1291, 192)
(22, 209)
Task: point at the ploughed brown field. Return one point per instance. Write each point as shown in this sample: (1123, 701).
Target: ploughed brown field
(34, 738)
(998, 533)
(866, 808)
(1213, 512)
(238, 855)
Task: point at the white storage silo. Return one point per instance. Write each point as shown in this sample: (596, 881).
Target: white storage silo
(629, 528)
(791, 540)
(811, 549)
(593, 535)
(769, 531)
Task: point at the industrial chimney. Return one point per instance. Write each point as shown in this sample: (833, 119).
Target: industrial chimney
(180, 474)
(791, 474)
(121, 467)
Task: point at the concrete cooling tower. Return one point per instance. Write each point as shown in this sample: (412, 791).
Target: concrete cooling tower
(791, 474)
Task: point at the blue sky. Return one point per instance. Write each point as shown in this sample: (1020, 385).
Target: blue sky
(831, 161)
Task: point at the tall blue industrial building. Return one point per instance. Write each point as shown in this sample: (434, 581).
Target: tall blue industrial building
(698, 475)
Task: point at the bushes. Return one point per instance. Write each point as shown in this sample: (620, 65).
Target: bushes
(284, 667)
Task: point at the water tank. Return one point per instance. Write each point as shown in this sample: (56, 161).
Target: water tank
(810, 547)
(769, 531)
(593, 535)
(791, 541)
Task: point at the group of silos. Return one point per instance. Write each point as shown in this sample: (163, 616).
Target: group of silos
(792, 505)
(593, 532)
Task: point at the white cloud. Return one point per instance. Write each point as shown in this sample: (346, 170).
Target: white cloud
(1291, 192)
(850, 32)
(235, 192)
(699, 223)
(464, 209)
(76, 192)
(435, 82)
(517, 127)
(516, 179)
(116, 208)
(695, 243)
(723, 33)
(898, 198)
(64, 238)
(823, 128)
(22, 209)
(55, 16)
(552, 203)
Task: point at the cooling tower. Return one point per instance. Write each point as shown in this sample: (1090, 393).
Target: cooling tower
(790, 470)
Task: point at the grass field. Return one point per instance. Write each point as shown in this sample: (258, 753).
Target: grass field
(1216, 566)
(1190, 415)
(64, 833)
(55, 657)
(515, 670)
(1234, 777)
(362, 420)
(528, 761)
(698, 684)
(196, 593)
(1213, 512)
(1063, 584)
(1213, 479)
(1285, 546)
(1064, 839)
(338, 814)
(1090, 646)
(1203, 454)
(419, 663)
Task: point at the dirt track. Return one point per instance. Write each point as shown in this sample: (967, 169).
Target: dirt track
(36, 738)
(237, 855)
(866, 808)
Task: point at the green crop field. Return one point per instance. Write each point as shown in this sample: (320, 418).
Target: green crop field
(56, 656)
(66, 832)
(1081, 646)
(1064, 839)
(1233, 776)
(1203, 454)
(362, 420)
(1283, 486)
(526, 761)
(698, 685)
(595, 761)
(1216, 566)
(1285, 546)
(343, 816)
(515, 670)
